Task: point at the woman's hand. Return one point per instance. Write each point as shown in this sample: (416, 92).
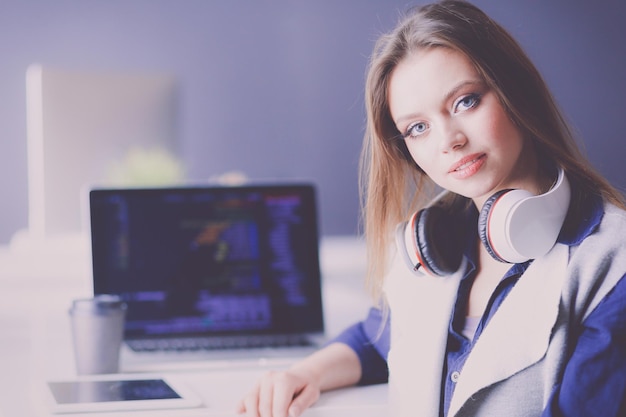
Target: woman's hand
(281, 394)
(288, 393)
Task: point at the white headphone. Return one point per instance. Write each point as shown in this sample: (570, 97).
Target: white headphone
(513, 225)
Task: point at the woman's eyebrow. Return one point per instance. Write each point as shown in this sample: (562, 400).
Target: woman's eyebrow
(451, 93)
(463, 84)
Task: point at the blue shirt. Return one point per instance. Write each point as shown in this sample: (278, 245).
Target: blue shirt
(594, 382)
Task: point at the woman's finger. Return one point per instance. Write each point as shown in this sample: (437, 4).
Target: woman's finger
(266, 394)
(286, 387)
(306, 398)
(250, 404)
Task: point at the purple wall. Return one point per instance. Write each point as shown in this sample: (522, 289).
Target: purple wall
(274, 88)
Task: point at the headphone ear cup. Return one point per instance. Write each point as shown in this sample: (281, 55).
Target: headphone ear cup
(483, 224)
(437, 241)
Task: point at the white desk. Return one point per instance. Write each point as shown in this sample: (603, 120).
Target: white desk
(38, 282)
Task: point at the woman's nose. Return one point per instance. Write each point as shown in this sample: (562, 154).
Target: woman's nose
(453, 139)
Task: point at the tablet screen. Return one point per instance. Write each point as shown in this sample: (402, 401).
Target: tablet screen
(73, 392)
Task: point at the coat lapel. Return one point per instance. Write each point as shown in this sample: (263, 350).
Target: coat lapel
(518, 335)
(421, 307)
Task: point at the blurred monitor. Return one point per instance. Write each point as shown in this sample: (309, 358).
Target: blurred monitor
(79, 125)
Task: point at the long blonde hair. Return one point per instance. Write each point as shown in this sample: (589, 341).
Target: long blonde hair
(392, 185)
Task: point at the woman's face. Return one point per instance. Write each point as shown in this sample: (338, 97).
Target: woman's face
(455, 128)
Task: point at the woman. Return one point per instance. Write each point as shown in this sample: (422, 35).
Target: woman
(453, 102)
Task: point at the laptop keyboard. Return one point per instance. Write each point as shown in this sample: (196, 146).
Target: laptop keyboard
(221, 343)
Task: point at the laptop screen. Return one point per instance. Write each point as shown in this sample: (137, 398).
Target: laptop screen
(209, 260)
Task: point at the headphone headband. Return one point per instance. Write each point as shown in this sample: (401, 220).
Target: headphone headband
(513, 225)
(521, 226)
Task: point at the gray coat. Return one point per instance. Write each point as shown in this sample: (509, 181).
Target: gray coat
(521, 354)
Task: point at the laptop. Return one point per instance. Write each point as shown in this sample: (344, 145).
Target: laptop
(211, 274)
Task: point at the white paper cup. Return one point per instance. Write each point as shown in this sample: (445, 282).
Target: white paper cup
(97, 332)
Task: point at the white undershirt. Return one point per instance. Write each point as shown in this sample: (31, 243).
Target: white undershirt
(469, 329)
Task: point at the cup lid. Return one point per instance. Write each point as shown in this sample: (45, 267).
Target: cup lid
(101, 303)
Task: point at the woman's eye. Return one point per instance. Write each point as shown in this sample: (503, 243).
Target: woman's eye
(466, 102)
(416, 129)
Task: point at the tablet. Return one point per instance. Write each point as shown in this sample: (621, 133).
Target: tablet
(119, 393)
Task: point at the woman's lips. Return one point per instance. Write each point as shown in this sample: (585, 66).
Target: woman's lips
(467, 166)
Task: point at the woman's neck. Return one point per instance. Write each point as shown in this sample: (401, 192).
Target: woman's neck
(488, 276)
